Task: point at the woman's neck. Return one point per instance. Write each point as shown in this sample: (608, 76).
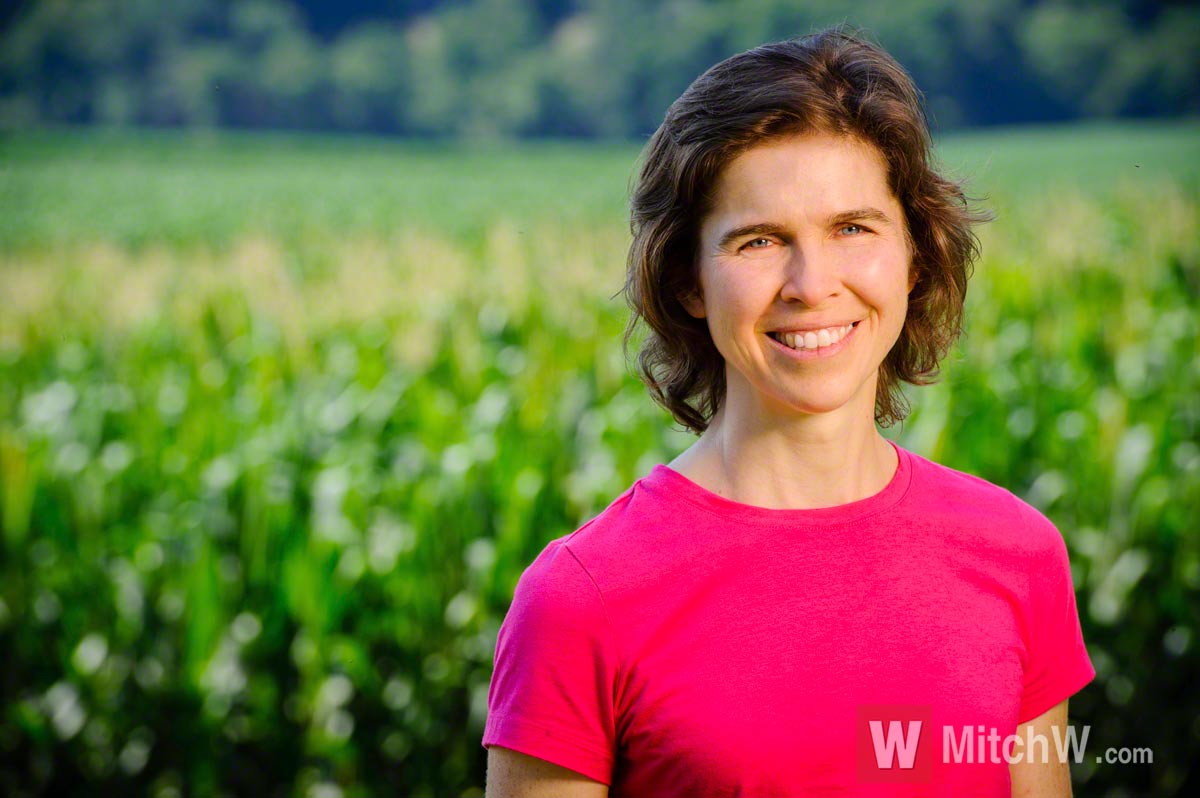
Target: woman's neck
(813, 462)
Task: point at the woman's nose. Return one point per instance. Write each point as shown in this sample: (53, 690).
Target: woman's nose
(810, 276)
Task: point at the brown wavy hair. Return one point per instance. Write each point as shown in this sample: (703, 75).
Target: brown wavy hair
(830, 82)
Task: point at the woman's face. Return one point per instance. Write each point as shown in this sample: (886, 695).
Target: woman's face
(804, 235)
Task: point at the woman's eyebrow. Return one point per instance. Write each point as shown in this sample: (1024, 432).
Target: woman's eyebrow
(755, 229)
(860, 214)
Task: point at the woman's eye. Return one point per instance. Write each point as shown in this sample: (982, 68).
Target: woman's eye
(758, 243)
(853, 228)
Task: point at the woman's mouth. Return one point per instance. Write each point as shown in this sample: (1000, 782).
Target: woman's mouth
(815, 343)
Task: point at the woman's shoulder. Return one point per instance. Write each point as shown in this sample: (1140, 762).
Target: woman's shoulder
(957, 492)
(946, 477)
(614, 526)
(635, 534)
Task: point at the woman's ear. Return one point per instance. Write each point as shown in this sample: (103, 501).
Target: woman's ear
(914, 270)
(914, 267)
(693, 303)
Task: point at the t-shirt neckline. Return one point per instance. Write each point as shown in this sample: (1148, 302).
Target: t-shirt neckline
(676, 484)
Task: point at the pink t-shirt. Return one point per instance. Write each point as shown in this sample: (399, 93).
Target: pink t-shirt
(682, 644)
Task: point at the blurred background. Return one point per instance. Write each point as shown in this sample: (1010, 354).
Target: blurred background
(309, 342)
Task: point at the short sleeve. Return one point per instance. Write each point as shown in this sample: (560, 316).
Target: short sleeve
(1057, 661)
(551, 694)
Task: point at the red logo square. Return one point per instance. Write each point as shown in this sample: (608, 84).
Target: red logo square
(895, 742)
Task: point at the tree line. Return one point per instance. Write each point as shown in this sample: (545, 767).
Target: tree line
(560, 68)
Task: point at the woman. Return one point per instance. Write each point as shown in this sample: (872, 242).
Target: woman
(795, 605)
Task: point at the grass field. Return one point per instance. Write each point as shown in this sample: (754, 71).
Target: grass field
(414, 226)
(283, 418)
(134, 189)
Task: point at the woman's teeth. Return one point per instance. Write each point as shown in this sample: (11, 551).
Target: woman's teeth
(814, 339)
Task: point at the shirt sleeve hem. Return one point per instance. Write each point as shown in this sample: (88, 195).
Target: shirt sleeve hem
(1040, 703)
(552, 745)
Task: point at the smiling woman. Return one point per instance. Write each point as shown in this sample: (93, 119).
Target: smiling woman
(795, 604)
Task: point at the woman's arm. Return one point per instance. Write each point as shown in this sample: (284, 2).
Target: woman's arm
(1037, 779)
(511, 774)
